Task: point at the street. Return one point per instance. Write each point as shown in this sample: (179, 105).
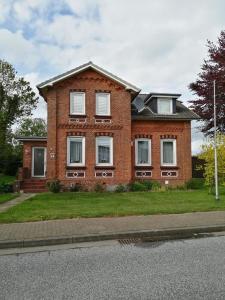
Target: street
(184, 269)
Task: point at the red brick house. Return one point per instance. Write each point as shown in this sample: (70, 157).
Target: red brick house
(101, 129)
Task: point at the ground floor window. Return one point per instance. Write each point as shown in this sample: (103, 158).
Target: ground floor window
(143, 152)
(75, 151)
(104, 150)
(168, 152)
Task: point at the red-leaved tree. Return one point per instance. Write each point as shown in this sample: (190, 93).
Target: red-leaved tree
(212, 69)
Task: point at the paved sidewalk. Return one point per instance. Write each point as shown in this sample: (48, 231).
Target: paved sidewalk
(4, 206)
(76, 230)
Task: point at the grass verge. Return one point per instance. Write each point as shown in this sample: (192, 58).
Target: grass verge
(49, 206)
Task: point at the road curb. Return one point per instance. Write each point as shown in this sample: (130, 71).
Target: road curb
(150, 235)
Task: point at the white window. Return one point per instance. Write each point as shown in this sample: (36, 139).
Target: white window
(104, 151)
(165, 106)
(76, 151)
(77, 103)
(168, 152)
(143, 152)
(103, 104)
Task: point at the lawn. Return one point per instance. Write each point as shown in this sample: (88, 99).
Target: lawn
(7, 197)
(49, 206)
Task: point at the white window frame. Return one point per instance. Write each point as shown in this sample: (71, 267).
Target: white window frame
(71, 99)
(174, 152)
(149, 150)
(96, 107)
(171, 106)
(111, 151)
(69, 139)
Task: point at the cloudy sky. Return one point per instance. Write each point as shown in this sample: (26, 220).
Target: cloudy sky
(158, 45)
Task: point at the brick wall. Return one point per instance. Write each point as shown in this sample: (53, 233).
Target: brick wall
(181, 131)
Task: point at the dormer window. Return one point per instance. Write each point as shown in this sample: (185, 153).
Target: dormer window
(164, 106)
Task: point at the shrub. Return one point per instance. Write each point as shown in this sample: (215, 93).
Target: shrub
(99, 188)
(195, 184)
(54, 186)
(77, 187)
(148, 184)
(6, 187)
(156, 186)
(137, 187)
(120, 188)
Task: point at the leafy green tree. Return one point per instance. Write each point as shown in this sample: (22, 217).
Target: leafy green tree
(32, 127)
(17, 99)
(207, 155)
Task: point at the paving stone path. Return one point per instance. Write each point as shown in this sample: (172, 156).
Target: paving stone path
(11, 203)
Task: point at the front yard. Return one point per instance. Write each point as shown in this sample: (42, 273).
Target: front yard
(49, 206)
(7, 197)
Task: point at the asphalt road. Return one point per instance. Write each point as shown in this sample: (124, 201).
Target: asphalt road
(186, 269)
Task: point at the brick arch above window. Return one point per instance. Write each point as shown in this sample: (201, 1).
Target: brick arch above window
(104, 134)
(168, 136)
(76, 133)
(143, 136)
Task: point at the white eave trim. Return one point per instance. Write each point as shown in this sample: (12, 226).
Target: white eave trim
(94, 67)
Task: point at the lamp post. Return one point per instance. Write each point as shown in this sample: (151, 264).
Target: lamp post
(215, 143)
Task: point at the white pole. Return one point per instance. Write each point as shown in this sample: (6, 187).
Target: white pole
(215, 142)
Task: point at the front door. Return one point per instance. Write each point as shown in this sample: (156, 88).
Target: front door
(38, 161)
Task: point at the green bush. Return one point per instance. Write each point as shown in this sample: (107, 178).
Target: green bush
(120, 188)
(137, 187)
(148, 184)
(6, 187)
(99, 188)
(195, 184)
(156, 186)
(77, 187)
(54, 186)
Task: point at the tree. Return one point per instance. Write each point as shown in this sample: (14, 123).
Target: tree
(213, 68)
(207, 155)
(32, 127)
(16, 100)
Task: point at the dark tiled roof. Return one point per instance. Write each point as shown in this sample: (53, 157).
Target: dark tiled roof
(141, 111)
(31, 138)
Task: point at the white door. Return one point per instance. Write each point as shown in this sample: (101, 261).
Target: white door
(38, 161)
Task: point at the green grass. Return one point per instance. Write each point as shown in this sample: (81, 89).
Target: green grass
(7, 179)
(7, 197)
(49, 206)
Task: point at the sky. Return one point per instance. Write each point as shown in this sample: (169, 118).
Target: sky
(157, 45)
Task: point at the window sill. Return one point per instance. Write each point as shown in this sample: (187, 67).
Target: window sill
(169, 167)
(77, 116)
(143, 167)
(104, 167)
(103, 117)
(76, 167)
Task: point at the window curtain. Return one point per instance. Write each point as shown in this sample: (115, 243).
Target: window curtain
(76, 152)
(168, 152)
(143, 156)
(102, 104)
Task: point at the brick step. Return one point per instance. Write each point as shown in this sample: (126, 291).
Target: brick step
(33, 184)
(32, 190)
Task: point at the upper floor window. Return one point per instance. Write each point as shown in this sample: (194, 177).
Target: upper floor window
(77, 103)
(165, 106)
(143, 152)
(168, 152)
(76, 151)
(103, 104)
(104, 150)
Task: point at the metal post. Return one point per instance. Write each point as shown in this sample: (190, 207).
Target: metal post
(215, 143)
